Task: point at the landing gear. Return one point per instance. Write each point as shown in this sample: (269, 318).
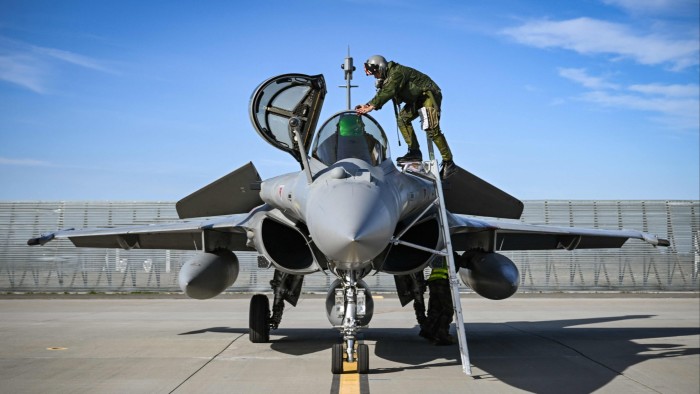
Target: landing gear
(337, 358)
(286, 287)
(362, 358)
(259, 319)
(338, 353)
(351, 311)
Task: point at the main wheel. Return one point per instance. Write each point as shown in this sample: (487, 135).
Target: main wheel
(362, 358)
(259, 316)
(337, 358)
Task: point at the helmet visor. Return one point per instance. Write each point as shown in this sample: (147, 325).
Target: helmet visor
(371, 68)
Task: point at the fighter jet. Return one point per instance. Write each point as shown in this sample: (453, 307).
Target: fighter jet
(348, 212)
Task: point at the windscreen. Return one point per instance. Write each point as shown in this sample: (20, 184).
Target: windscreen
(348, 135)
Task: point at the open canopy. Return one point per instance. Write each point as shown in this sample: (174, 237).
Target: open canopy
(281, 98)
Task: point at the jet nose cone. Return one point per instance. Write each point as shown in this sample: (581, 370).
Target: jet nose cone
(350, 223)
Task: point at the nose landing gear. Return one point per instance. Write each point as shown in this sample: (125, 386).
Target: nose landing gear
(339, 364)
(351, 304)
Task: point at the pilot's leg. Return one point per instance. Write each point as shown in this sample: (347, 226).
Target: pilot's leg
(430, 119)
(441, 143)
(404, 119)
(431, 124)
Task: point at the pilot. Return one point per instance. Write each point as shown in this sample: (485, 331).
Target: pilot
(422, 97)
(440, 309)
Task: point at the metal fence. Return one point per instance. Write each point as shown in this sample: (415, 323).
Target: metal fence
(60, 267)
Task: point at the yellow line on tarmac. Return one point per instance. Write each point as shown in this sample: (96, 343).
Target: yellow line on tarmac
(349, 379)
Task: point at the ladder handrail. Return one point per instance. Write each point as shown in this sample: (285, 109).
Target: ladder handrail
(454, 281)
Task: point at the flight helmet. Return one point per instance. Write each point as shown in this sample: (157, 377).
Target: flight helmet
(376, 63)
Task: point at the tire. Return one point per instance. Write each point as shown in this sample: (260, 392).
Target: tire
(337, 359)
(259, 315)
(362, 358)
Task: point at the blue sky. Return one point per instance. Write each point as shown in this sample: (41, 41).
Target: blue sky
(148, 100)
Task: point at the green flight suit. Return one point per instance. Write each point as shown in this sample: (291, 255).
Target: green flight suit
(416, 90)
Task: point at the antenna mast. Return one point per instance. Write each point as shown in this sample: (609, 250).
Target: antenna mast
(349, 68)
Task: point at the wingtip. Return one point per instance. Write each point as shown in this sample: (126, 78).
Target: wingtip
(655, 240)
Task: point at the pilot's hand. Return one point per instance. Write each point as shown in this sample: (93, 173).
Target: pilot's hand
(363, 109)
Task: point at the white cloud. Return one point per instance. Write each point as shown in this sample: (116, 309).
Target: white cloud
(579, 75)
(72, 58)
(677, 106)
(591, 36)
(24, 71)
(670, 106)
(688, 90)
(32, 67)
(679, 113)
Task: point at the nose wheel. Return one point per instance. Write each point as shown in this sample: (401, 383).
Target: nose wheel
(337, 358)
(339, 361)
(350, 304)
(362, 358)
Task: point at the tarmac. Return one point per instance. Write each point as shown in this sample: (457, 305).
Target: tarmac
(167, 344)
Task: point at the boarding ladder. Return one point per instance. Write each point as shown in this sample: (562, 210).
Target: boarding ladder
(431, 167)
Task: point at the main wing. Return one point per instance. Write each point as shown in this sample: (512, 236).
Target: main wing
(204, 234)
(502, 235)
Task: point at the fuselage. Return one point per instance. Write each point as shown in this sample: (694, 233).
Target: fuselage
(351, 208)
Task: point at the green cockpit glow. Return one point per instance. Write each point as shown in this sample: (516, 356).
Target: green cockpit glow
(350, 125)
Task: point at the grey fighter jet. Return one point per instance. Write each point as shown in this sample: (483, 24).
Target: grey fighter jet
(348, 212)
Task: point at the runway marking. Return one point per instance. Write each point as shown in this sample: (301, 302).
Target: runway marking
(350, 381)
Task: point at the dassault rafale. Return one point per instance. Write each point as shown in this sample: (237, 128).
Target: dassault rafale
(349, 212)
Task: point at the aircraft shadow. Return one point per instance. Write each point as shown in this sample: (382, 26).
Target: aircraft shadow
(293, 341)
(541, 356)
(225, 330)
(545, 356)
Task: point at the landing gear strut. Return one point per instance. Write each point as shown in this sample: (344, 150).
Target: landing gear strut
(350, 304)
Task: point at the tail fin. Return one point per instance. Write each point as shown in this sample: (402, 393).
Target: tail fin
(468, 194)
(233, 193)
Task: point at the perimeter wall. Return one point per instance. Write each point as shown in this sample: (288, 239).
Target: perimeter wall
(60, 267)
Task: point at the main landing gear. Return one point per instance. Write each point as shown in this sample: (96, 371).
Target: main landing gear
(286, 287)
(259, 319)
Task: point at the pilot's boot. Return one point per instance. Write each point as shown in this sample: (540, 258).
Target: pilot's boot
(448, 168)
(412, 155)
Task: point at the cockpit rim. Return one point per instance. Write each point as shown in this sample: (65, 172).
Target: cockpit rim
(317, 134)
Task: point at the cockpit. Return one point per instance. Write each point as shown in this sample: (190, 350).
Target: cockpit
(296, 99)
(347, 135)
